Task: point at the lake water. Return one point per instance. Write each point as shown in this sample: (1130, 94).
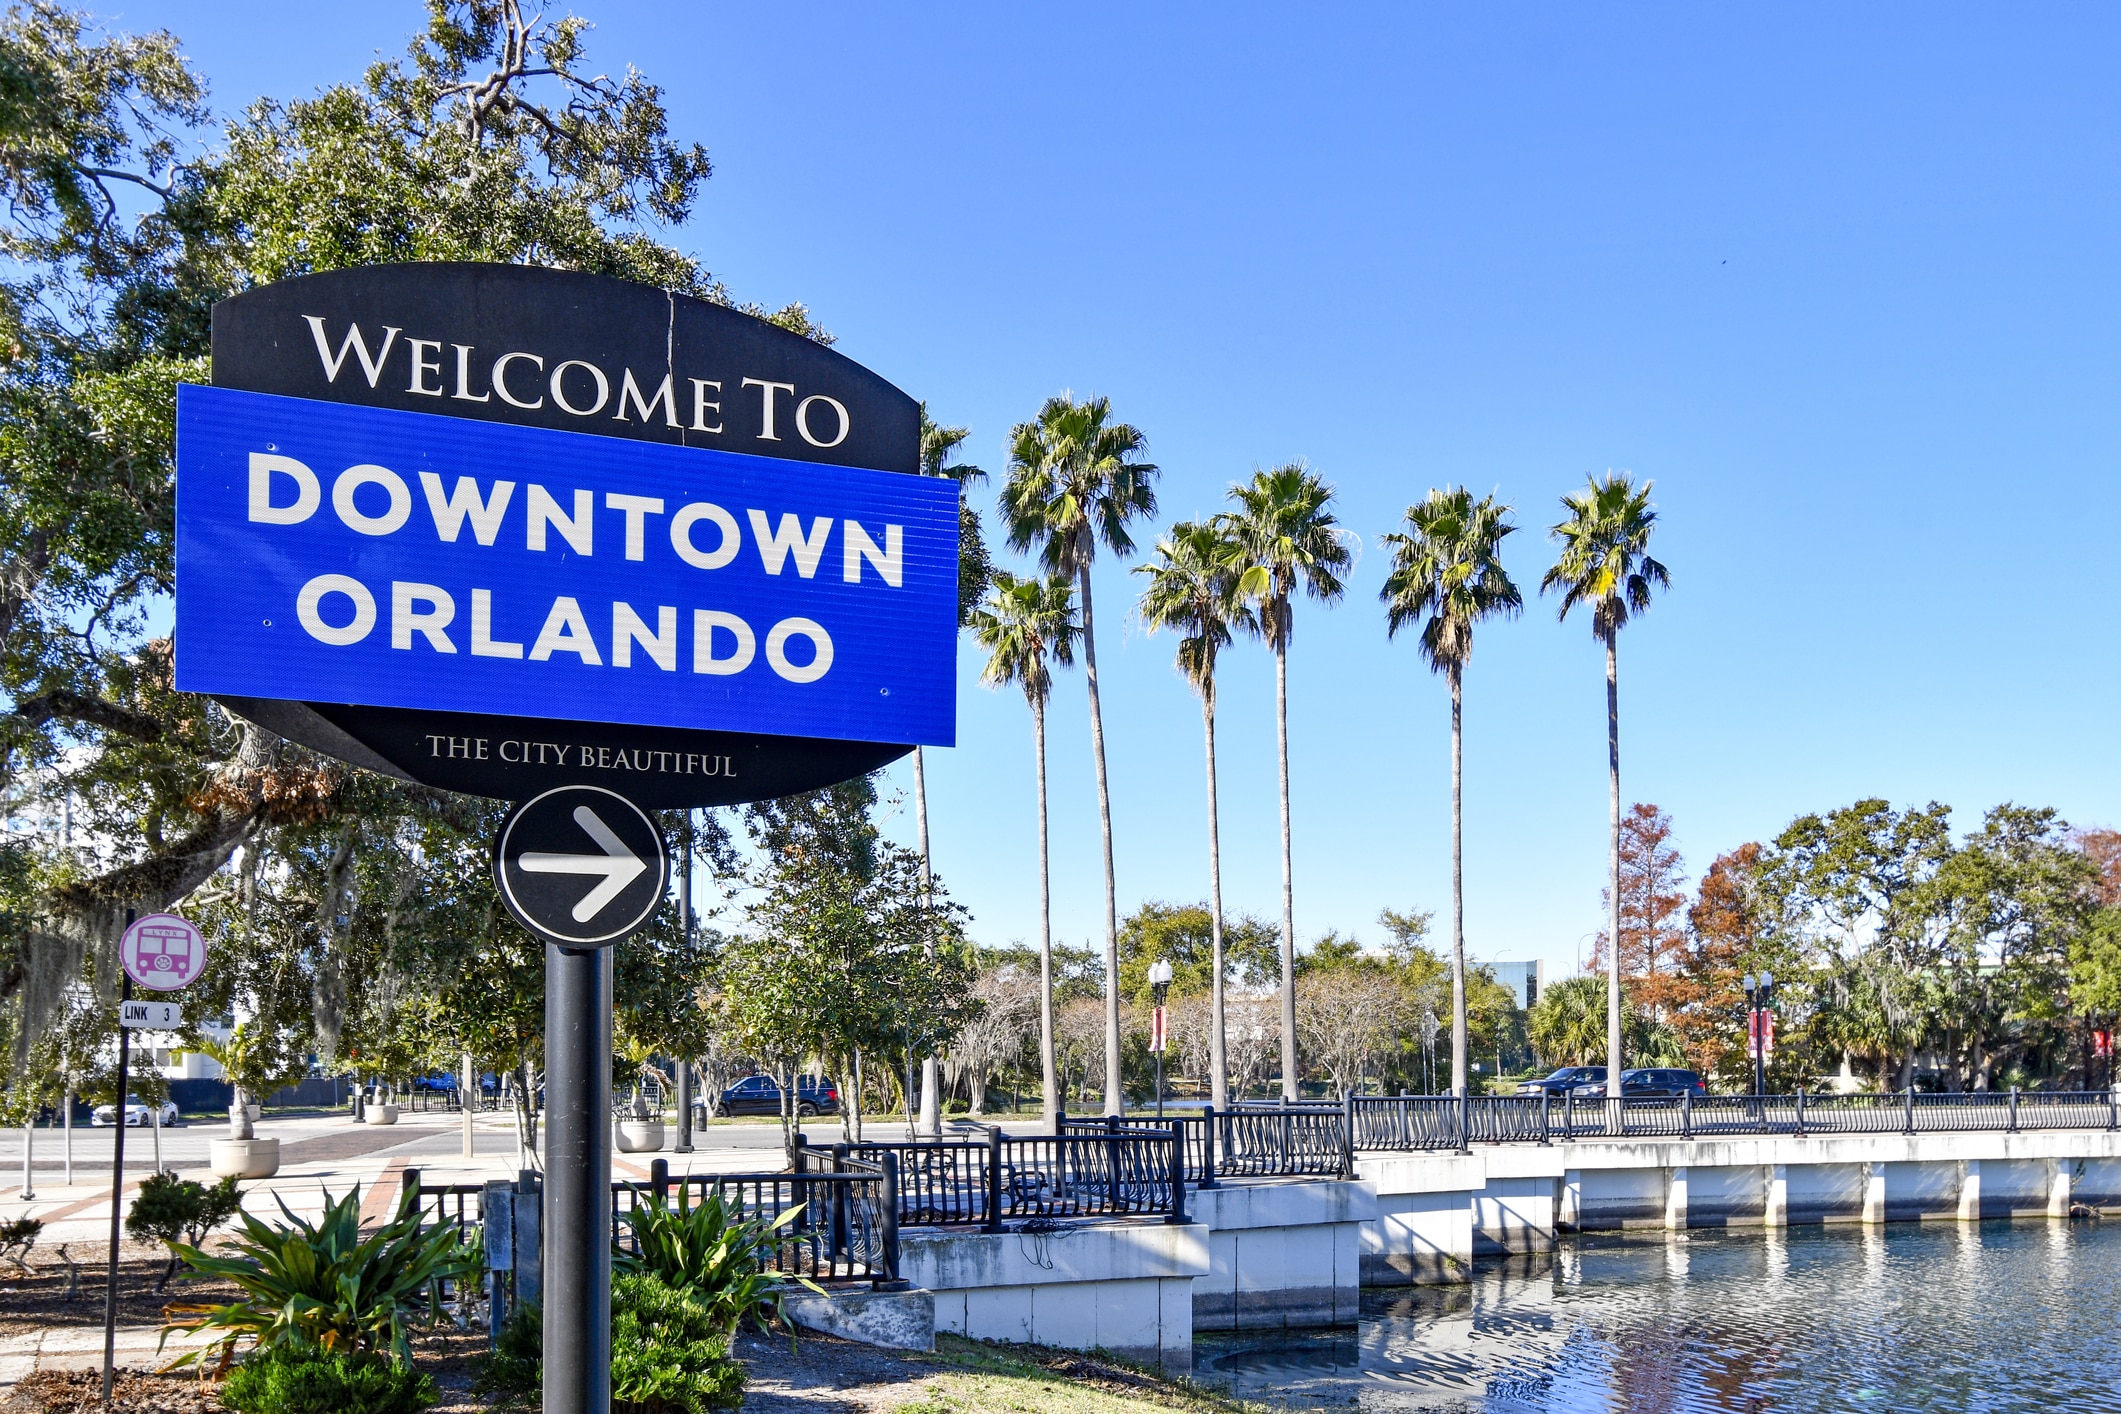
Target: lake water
(1997, 1316)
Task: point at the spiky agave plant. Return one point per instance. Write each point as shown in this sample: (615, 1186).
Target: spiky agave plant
(714, 1249)
(324, 1284)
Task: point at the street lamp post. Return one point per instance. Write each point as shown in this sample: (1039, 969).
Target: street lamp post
(1756, 1004)
(1159, 987)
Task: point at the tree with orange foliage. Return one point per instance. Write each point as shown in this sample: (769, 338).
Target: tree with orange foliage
(1653, 939)
(1725, 937)
(2103, 848)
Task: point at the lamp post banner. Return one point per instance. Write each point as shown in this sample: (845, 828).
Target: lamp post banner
(339, 553)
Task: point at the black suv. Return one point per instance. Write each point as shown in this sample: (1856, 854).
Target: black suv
(1563, 1080)
(761, 1095)
(1649, 1085)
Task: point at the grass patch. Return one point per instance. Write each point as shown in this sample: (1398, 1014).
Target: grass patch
(976, 1377)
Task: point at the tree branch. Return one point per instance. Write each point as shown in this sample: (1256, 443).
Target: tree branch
(79, 707)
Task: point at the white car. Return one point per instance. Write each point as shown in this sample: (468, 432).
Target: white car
(137, 1114)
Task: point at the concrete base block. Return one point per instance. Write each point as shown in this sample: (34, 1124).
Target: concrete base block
(1145, 1320)
(1775, 1199)
(1418, 1239)
(1514, 1217)
(895, 1320)
(1281, 1256)
(1124, 1288)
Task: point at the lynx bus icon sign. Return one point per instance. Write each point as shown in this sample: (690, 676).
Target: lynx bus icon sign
(588, 546)
(162, 951)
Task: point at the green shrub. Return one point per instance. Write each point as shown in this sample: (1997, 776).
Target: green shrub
(669, 1350)
(713, 1249)
(516, 1365)
(17, 1237)
(291, 1378)
(325, 1287)
(171, 1210)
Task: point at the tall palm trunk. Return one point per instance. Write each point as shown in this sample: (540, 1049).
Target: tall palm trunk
(931, 1121)
(1458, 901)
(1218, 1053)
(1115, 1100)
(1612, 975)
(1288, 876)
(1048, 1062)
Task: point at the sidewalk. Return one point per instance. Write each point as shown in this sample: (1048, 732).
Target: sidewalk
(332, 1152)
(81, 1348)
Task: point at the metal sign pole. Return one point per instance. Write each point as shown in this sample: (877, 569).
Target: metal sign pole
(684, 1064)
(117, 1194)
(577, 1218)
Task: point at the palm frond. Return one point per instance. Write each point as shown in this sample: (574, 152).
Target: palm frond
(1075, 479)
(1288, 537)
(1605, 562)
(1447, 574)
(1023, 623)
(1193, 589)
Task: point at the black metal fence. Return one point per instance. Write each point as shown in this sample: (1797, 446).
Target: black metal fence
(1426, 1122)
(844, 1228)
(845, 1223)
(850, 1201)
(1128, 1169)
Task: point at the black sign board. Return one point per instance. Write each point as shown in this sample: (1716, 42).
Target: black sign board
(587, 354)
(581, 866)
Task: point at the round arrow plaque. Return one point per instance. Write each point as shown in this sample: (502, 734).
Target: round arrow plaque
(580, 865)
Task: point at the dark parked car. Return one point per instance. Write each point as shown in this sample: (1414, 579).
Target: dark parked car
(1648, 1084)
(761, 1095)
(1563, 1080)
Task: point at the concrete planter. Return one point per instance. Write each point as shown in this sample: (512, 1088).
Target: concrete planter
(639, 1136)
(244, 1158)
(380, 1114)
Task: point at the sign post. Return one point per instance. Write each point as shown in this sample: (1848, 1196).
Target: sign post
(1159, 1022)
(397, 546)
(164, 952)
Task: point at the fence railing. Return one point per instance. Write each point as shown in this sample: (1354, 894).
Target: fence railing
(1428, 1122)
(1257, 1140)
(846, 1229)
(1131, 1169)
(854, 1199)
(845, 1226)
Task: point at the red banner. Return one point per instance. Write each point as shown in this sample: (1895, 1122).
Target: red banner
(1157, 1030)
(1760, 1034)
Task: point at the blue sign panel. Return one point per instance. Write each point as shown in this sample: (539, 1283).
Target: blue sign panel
(332, 552)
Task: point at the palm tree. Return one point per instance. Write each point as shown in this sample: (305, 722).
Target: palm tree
(1075, 480)
(938, 445)
(1193, 590)
(1287, 535)
(1448, 566)
(1605, 563)
(1023, 623)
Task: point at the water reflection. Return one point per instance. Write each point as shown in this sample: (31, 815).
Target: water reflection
(1997, 1317)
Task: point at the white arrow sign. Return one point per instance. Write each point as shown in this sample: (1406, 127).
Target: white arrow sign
(155, 1016)
(619, 865)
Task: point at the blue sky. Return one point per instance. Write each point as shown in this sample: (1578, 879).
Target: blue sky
(1840, 280)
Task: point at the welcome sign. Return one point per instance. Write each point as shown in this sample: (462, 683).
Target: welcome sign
(410, 560)
(498, 529)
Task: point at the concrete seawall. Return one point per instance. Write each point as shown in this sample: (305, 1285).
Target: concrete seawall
(1289, 1253)
(1436, 1213)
